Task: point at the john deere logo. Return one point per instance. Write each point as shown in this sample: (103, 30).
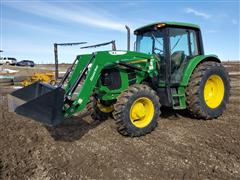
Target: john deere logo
(94, 72)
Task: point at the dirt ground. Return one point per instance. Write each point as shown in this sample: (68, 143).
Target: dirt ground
(179, 148)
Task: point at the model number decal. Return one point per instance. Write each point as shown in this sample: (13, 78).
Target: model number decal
(117, 52)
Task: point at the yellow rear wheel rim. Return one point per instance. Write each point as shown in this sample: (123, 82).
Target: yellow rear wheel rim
(141, 112)
(214, 91)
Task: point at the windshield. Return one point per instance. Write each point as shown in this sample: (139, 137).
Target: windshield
(150, 42)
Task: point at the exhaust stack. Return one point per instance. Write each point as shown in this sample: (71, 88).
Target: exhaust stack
(128, 37)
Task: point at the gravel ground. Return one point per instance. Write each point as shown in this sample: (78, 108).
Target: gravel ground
(179, 148)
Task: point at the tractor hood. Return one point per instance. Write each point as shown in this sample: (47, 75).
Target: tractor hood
(121, 55)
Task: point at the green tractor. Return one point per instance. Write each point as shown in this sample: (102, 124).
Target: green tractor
(168, 68)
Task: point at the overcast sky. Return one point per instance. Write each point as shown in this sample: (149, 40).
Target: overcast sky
(29, 28)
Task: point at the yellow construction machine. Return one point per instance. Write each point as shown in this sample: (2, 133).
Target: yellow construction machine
(43, 77)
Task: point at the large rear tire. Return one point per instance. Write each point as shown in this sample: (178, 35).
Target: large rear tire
(137, 110)
(208, 90)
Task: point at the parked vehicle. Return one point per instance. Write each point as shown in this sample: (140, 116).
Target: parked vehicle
(26, 63)
(8, 61)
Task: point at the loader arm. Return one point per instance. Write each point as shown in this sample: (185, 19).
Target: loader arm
(88, 70)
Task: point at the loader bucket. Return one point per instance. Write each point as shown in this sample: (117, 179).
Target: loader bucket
(39, 101)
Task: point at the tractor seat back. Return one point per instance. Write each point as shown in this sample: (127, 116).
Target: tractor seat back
(176, 60)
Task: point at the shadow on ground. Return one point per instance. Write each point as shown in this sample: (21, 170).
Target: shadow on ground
(74, 128)
(171, 114)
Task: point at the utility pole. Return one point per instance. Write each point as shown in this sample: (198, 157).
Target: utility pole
(55, 45)
(56, 60)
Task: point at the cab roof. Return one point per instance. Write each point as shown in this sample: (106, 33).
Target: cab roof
(167, 23)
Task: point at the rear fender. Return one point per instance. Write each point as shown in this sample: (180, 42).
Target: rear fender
(193, 63)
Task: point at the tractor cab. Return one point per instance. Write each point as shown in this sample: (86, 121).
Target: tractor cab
(173, 44)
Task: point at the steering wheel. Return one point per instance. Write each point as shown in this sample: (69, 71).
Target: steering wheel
(160, 51)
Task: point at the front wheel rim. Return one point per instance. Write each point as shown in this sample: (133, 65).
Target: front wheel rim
(142, 112)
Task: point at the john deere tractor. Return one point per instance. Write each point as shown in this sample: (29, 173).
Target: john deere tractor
(168, 68)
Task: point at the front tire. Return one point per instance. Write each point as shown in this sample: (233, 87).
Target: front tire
(137, 111)
(99, 111)
(208, 90)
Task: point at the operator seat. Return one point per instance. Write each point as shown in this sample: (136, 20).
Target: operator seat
(177, 61)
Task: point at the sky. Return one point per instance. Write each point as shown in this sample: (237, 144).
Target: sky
(29, 28)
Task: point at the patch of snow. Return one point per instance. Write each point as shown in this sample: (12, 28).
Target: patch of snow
(17, 87)
(6, 77)
(234, 73)
(8, 71)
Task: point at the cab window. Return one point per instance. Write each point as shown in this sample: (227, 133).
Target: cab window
(193, 43)
(145, 43)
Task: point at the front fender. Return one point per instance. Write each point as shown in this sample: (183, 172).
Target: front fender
(193, 63)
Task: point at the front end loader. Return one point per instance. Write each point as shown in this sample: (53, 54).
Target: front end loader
(167, 68)
(49, 104)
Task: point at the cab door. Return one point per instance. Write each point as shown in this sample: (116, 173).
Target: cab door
(161, 51)
(181, 45)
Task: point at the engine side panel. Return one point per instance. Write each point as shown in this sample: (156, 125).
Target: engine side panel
(113, 81)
